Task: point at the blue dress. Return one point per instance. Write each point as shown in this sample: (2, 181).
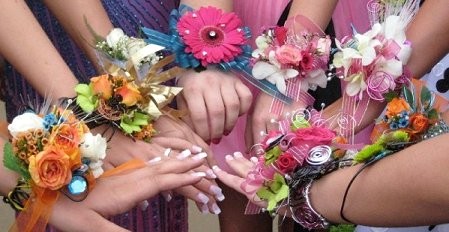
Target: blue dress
(130, 16)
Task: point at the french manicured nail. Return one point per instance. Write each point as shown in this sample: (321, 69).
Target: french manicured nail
(167, 152)
(217, 192)
(197, 149)
(154, 160)
(238, 155)
(211, 174)
(199, 174)
(216, 168)
(229, 157)
(204, 209)
(184, 154)
(199, 156)
(144, 205)
(216, 209)
(202, 198)
(254, 159)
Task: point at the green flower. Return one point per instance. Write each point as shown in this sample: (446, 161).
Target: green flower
(134, 122)
(85, 98)
(272, 155)
(275, 192)
(299, 122)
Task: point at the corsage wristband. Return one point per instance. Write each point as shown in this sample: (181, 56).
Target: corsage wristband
(18, 196)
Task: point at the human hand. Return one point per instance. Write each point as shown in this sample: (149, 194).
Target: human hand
(117, 194)
(261, 120)
(214, 101)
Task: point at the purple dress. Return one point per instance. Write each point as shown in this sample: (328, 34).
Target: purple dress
(130, 16)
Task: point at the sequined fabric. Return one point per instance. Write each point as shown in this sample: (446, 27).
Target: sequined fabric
(130, 16)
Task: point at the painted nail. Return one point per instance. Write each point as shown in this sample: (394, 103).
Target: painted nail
(216, 168)
(202, 198)
(211, 174)
(167, 152)
(154, 160)
(184, 154)
(229, 157)
(199, 174)
(227, 133)
(216, 141)
(215, 189)
(144, 205)
(197, 149)
(216, 209)
(238, 155)
(254, 160)
(199, 156)
(204, 209)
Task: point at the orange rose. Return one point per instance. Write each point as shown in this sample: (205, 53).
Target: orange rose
(67, 137)
(130, 94)
(419, 123)
(50, 168)
(396, 106)
(102, 86)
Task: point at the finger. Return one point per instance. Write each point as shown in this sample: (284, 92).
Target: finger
(210, 188)
(215, 114)
(259, 129)
(245, 97)
(195, 195)
(239, 164)
(231, 103)
(175, 143)
(198, 114)
(182, 105)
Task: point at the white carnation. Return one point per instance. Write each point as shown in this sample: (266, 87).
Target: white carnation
(24, 122)
(96, 168)
(114, 37)
(93, 147)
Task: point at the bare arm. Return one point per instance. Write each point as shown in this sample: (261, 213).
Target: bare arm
(319, 11)
(26, 46)
(71, 15)
(222, 4)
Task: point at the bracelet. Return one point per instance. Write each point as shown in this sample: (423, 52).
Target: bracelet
(303, 212)
(18, 196)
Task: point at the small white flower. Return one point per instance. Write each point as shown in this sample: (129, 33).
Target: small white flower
(314, 79)
(356, 85)
(93, 147)
(261, 44)
(24, 122)
(114, 37)
(96, 168)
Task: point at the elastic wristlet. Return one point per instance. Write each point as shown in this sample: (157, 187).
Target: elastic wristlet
(17, 197)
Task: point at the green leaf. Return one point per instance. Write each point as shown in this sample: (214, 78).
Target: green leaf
(426, 98)
(390, 96)
(433, 114)
(409, 97)
(300, 122)
(83, 89)
(13, 163)
(85, 103)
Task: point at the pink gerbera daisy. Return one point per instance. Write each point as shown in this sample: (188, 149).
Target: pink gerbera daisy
(211, 35)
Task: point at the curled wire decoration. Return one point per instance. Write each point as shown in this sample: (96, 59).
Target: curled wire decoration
(257, 150)
(346, 122)
(319, 155)
(378, 84)
(374, 8)
(301, 112)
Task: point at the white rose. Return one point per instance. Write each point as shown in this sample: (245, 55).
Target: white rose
(93, 147)
(96, 168)
(24, 122)
(114, 37)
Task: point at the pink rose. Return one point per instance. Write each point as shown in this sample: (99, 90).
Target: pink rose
(286, 163)
(288, 55)
(314, 136)
(307, 61)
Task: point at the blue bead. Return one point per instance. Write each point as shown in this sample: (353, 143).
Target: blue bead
(77, 185)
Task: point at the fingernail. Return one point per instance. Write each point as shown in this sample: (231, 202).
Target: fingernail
(216, 168)
(211, 174)
(184, 154)
(229, 157)
(199, 156)
(215, 189)
(202, 198)
(227, 133)
(144, 205)
(216, 209)
(208, 142)
(204, 209)
(154, 160)
(167, 196)
(197, 149)
(167, 152)
(199, 174)
(254, 159)
(216, 141)
(238, 155)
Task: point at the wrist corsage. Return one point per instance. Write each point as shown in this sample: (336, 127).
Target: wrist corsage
(53, 152)
(302, 150)
(132, 94)
(373, 63)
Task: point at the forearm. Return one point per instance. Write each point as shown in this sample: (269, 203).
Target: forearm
(226, 5)
(26, 46)
(319, 11)
(408, 188)
(73, 15)
(429, 34)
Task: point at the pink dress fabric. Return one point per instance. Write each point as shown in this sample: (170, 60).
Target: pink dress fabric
(256, 14)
